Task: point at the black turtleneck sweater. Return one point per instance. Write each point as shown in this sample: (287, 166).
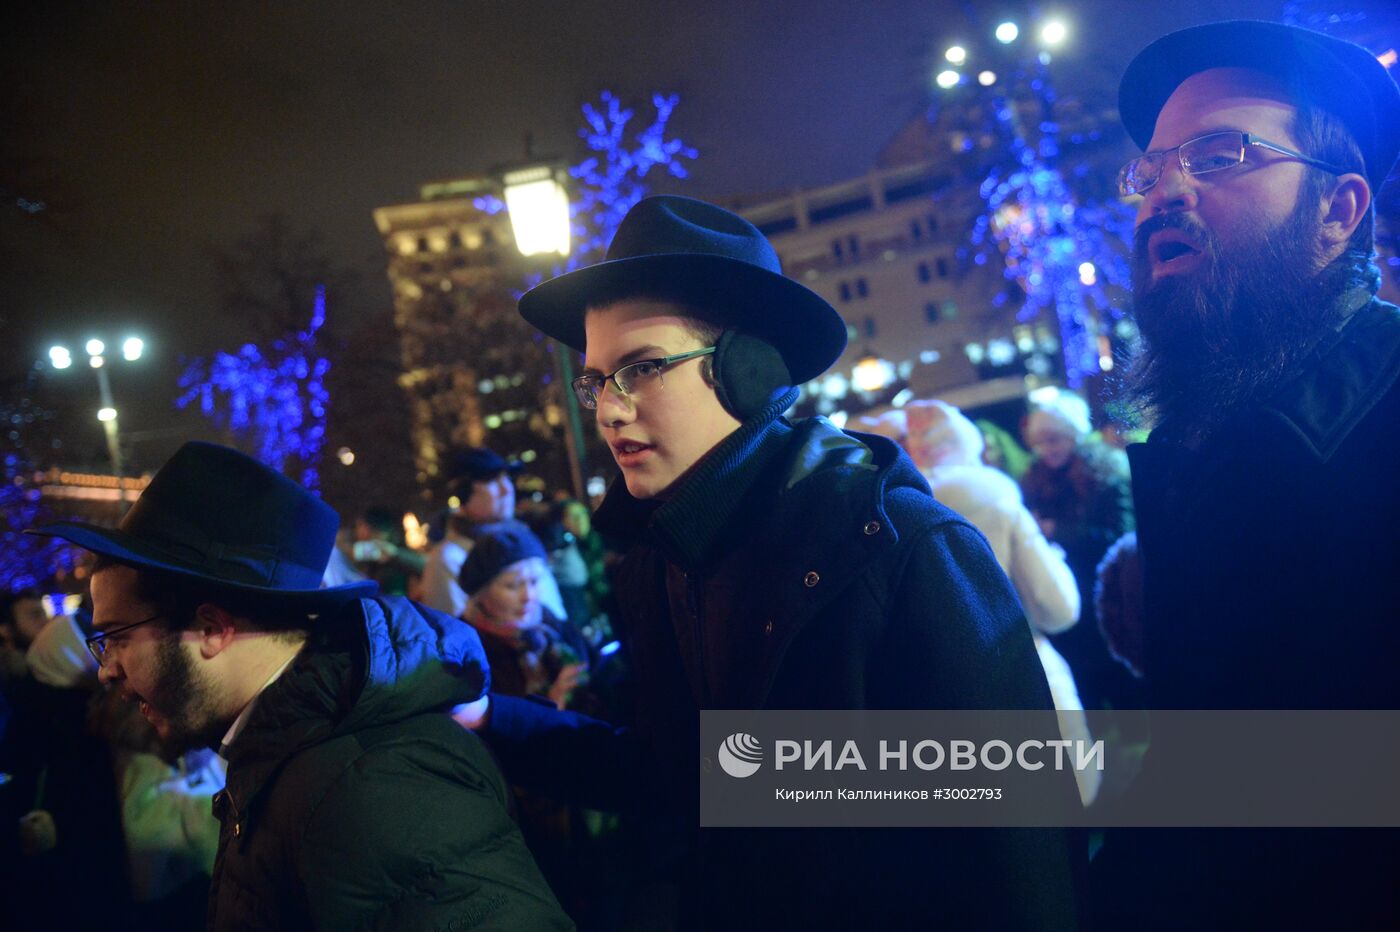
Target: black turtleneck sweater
(706, 532)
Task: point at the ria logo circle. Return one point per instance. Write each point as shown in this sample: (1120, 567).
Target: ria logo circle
(740, 755)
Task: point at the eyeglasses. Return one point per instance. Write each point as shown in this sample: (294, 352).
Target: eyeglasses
(1212, 152)
(97, 644)
(631, 377)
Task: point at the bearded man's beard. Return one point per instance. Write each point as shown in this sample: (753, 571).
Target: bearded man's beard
(185, 699)
(1231, 331)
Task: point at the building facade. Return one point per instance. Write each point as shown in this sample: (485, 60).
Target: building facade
(474, 373)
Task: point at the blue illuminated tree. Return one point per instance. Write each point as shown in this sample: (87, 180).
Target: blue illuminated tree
(272, 397)
(25, 560)
(1060, 234)
(611, 177)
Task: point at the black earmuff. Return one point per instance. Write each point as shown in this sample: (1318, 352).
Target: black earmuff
(749, 373)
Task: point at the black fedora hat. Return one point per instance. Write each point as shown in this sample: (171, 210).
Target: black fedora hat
(715, 258)
(214, 514)
(1339, 77)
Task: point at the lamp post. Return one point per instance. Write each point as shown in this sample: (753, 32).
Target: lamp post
(538, 204)
(132, 348)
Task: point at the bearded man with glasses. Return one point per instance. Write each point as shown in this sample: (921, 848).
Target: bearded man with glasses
(1266, 498)
(352, 800)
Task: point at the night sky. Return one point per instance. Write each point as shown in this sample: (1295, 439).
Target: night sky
(160, 132)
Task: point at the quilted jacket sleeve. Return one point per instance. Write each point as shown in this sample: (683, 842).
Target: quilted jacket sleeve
(415, 834)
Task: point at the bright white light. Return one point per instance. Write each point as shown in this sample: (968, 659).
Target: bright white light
(956, 54)
(1088, 275)
(132, 348)
(345, 455)
(987, 78)
(454, 502)
(107, 414)
(947, 79)
(539, 211)
(597, 485)
(1000, 352)
(1007, 32)
(903, 398)
(1053, 32)
(872, 374)
(95, 347)
(834, 386)
(95, 362)
(60, 357)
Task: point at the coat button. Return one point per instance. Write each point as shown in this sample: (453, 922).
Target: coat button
(811, 579)
(768, 627)
(237, 829)
(872, 527)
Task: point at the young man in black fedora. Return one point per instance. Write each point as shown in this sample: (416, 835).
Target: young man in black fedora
(771, 565)
(1266, 498)
(352, 799)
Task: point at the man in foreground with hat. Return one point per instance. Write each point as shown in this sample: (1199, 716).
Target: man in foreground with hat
(352, 799)
(484, 485)
(771, 566)
(1266, 498)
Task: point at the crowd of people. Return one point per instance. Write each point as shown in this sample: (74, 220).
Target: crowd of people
(260, 716)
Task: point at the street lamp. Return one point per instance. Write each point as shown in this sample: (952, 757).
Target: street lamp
(60, 357)
(539, 210)
(538, 205)
(1007, 32)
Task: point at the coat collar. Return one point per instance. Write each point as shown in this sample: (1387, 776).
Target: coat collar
(1347, 376)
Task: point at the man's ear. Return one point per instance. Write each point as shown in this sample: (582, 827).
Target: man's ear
(1343, 209)
(215, 628)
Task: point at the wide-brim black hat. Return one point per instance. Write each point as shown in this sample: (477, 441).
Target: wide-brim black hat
(211, 513)
(715, 259)
(1339, 77)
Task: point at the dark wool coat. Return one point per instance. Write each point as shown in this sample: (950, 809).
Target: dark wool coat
(354, 801)
(1272, 581)
(840, 584)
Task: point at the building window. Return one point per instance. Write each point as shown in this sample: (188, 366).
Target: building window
(931, 313)
(422, 244)
(862, 289)
(455, 240)
(869, 326)
(853, 244)
(923, 272)
(916, 230)
(950, 309)
(942, 267)
(487, 237)
(836, 251)
(845, 291)
(932, 223)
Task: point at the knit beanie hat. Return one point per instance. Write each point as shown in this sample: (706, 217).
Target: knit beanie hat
(497, 546)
